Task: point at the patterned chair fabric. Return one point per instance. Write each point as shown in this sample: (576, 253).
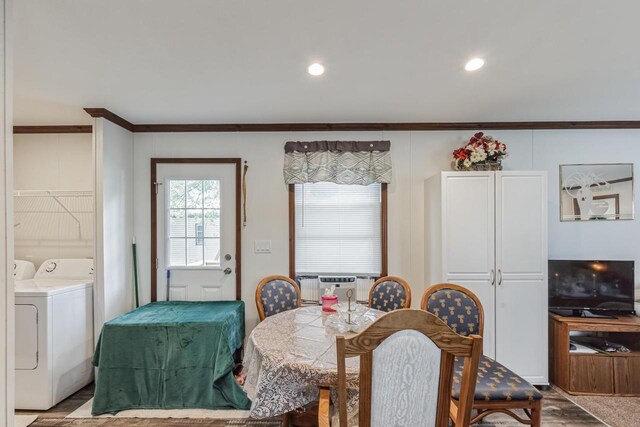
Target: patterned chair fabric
(278, 296)
(495, 382)
(457, 309)
(388, 296)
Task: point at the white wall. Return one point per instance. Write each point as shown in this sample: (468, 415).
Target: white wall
(7, 331)
(416, 156)
(598, 239)
(53, 162)
(114, 221)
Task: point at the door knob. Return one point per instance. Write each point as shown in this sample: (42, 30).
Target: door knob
(227, 270)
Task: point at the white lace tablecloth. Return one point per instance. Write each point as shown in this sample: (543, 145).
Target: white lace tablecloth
(289, 355)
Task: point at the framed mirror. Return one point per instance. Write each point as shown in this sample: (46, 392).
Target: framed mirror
(591, 192)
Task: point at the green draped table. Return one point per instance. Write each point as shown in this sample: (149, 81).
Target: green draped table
(170, 355)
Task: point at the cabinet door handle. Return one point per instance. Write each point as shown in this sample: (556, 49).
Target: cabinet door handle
(492, 277)
(499, 277)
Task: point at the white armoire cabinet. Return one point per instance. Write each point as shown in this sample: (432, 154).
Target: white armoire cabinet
(487, 231)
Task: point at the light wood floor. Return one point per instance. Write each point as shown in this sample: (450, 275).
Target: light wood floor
(557, 412)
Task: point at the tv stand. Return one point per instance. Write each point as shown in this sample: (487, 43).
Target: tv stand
(585, 314)
(595, 373)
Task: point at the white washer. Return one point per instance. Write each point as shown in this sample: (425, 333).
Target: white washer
(54, 333)
(23, 270)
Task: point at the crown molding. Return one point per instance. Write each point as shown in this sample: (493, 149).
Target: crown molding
(52, 129)
(108, 115)
(360, 127)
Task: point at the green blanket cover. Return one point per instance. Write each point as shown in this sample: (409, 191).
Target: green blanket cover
(170, 355)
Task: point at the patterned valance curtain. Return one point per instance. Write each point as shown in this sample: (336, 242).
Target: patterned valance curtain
(340, 162)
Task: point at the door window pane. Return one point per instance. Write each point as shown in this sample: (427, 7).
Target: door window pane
(194, 194)
(177, 252)
(212, 223)
(212, 194)
(193, 223)
(195, 253)
(194, 218)
(176, 194)
(176, 223)
(212, 251)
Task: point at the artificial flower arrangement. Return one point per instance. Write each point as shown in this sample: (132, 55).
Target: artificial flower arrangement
(482, 152)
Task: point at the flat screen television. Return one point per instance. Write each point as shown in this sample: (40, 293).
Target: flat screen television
(598, 287)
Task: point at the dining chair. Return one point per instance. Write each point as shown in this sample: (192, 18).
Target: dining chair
(498, 389)
(406, 371)
(276, 294)
(390, 293)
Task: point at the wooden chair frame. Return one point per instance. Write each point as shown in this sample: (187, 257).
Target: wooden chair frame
(451, 344)
(531, 408)
(268, 279)
(400, 280)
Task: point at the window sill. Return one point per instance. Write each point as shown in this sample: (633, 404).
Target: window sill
(199, 267)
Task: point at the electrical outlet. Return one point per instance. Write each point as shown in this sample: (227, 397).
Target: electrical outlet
(262, 246)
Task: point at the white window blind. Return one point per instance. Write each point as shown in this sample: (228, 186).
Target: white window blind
(338, 229)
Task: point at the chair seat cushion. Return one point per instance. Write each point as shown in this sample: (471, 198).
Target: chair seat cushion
(495, 382)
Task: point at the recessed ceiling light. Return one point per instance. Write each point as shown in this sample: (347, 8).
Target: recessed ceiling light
(316, 69)
(474, 64)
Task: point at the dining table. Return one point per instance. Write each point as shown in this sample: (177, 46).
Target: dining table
(290, 357)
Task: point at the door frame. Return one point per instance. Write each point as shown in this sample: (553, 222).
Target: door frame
(154, 216)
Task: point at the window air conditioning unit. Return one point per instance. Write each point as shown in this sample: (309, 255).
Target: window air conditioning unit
(342, 284)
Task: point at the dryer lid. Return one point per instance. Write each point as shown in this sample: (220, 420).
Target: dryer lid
(66, 269)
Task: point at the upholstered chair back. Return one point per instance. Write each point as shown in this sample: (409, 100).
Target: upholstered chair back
(390, 293)
(458, 307)
(406, 369)
(276, 294)
(498, 389)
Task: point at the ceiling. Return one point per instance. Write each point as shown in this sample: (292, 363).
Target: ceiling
(241, 61)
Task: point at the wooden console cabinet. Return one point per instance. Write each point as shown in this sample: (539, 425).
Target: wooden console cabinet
(613, 373)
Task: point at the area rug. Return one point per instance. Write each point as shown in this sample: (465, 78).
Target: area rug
(557, 411)
(616, 411)
(85, 412)
(24, 420)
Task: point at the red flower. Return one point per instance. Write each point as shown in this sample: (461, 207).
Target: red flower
(460, 153)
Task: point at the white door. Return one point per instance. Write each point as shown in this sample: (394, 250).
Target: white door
(521, 261)
(468, 240)
(196, 217)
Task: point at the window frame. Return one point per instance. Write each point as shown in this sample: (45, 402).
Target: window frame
(383, 231)
(167, 237)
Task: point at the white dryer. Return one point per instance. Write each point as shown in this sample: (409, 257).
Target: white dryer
(54, 333)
